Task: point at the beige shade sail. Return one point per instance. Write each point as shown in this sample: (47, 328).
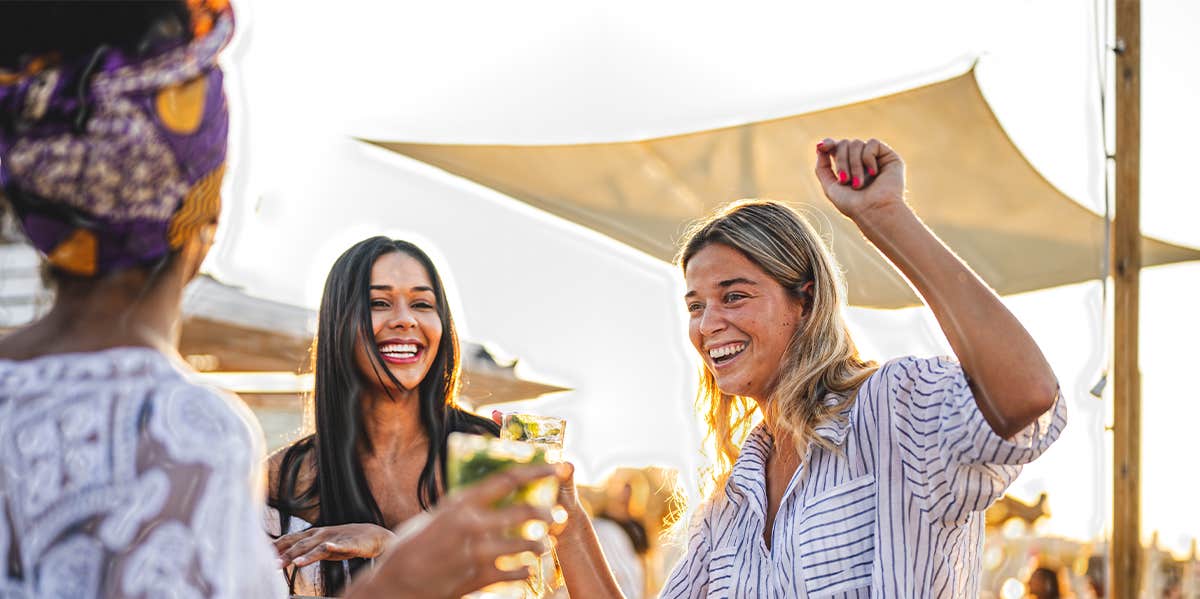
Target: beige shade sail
(966, 179)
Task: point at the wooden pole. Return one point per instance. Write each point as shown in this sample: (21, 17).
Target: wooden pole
(1126, 559)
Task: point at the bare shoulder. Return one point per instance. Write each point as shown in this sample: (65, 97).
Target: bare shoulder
(305, 470)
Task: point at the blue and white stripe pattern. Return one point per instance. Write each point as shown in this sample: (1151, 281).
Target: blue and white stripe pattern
(896, 511)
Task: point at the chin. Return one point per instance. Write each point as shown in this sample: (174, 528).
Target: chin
(731, 387)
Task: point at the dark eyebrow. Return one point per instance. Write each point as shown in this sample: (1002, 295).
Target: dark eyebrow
(724, 284)
(389, 288)
(737, 281)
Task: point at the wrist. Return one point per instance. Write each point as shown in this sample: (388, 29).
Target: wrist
(878, 217)
(870, 214)
(578, 525)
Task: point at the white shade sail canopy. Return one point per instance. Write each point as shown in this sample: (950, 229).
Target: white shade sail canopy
(966, 180)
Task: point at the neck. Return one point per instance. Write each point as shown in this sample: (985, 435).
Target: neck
(782, 440)
(394, 423)
(126, 308)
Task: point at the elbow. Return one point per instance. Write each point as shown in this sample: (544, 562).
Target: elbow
(1037, 400)
(1043, 396)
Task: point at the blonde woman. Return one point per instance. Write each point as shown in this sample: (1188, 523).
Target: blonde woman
(861, 480)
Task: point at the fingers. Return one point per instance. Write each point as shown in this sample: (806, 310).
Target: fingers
(824, 168)
(487, 550)
(310, 550)
(514, 516)
(870, 156)
(858, 174)
(492, 574)
(285, 543)
(841, 160)
(886, 155)
(498, 485)
(852, 162)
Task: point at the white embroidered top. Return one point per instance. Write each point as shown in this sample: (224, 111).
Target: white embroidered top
(119, 477)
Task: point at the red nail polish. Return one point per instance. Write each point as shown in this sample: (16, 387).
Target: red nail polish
(842, 177)
(871, 171)
(857, 182)
(820, 145)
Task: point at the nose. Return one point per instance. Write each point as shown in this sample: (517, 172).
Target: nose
(403, 319)
(711, 321)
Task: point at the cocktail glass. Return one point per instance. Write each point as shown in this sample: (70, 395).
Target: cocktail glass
(545, 432)
(472, 458)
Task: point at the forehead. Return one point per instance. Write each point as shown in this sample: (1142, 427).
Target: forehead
(399, 270)
(717, 262)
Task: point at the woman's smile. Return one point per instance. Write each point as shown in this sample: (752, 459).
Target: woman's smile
(723, 355)
(404, 320)
(401, 351)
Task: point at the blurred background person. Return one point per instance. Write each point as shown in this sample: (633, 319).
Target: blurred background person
(1044, 584)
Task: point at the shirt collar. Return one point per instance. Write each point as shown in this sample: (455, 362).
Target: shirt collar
(748, 475)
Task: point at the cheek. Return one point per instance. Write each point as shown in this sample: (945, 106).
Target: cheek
(433, 334)
(694, 333)
(379, 320)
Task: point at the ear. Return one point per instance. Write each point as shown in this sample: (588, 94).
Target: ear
(806, 298)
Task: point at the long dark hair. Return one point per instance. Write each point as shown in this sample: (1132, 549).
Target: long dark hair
(339, 490)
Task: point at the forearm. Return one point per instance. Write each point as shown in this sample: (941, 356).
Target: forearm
(1011, 379)
(584, 567)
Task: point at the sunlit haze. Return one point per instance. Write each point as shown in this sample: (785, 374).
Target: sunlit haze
(583, 311)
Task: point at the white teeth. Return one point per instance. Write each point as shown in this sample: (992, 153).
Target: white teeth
(399, 350)
(726, 350)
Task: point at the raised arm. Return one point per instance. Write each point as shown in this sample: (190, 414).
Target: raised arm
(1010, 378)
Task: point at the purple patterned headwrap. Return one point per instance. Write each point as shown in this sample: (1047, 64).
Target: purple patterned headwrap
(113, 161)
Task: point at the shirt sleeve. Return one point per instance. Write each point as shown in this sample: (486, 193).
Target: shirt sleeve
(689, 578)
(947, 444)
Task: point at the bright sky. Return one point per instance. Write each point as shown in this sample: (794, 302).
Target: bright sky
(584, 311)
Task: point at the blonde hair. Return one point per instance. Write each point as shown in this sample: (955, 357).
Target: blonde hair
(820, 369)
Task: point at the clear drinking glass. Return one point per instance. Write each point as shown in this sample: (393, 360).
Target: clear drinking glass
(546, 433)
(470, 459)
(542, 431)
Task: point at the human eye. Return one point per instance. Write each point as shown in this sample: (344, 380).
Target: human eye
(380, 304)
(734, 297)
(694, 307)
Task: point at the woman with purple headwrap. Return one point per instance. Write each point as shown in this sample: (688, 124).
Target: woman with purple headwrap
(119, 475)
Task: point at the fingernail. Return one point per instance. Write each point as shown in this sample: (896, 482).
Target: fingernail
(820, 145)
(857, 182)
(871, 171)
(842, 177)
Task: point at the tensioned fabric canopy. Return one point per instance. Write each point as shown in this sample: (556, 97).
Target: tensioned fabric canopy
(966, 179)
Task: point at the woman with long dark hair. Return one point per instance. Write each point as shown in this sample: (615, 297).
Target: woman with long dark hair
(120, 474)
(386, 364)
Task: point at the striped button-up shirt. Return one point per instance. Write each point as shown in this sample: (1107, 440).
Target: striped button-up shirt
(895, 511)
